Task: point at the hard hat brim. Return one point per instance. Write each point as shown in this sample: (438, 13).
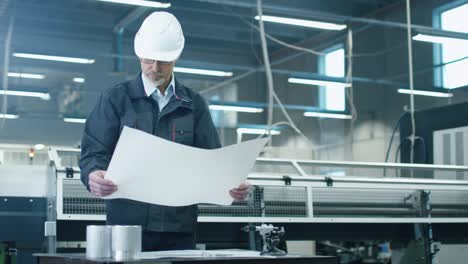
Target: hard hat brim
(141, 52)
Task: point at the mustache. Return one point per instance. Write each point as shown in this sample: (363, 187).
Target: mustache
(156, 74)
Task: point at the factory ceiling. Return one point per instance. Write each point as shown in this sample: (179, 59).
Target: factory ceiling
(219, 36)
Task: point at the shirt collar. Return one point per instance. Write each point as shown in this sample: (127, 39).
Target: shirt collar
(150, 87)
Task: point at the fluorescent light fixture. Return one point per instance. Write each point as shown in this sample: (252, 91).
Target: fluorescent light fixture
(39, 146)
(74, 120)
(256, 131)
(43, 96)
(319, 82)
(438, 39)
(426, 93)
(79, 80)
(244, 109)
(53, 58)
(302, 22)
(140, 3)
(327, 115)
(9, 116)
(26, 75)
(203, 72)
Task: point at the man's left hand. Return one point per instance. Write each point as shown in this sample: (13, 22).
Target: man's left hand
(239, 193)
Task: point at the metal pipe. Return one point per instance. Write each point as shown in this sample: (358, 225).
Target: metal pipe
(351, 164)
(6, 65)
(378, 165)
(252, 238)
(119, 29)
(118, 49)
(275, 219)
(129, 18)
(463, 185)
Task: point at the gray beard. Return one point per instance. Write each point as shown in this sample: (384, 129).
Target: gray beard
(158, 82)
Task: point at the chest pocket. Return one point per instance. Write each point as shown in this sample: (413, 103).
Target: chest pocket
(139, 117)
(182, 129)
(129, 119)
(144, 122)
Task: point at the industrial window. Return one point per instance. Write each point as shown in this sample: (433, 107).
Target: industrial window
(333, 64)
(452, 75)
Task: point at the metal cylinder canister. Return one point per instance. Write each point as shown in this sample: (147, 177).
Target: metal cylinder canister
(126, 242)
(98, 241)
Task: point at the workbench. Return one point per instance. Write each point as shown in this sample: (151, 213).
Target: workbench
(80, 258)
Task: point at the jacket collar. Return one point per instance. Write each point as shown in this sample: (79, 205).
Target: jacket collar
(137, 90)
(180, 92)
(151, 88)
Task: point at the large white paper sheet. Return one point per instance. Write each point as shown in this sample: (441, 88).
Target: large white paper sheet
(227, 253)
(154, 170)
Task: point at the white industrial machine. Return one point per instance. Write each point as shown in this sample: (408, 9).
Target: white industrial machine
(73, 201)
(296, 191)
(451, 148)
(301, 195)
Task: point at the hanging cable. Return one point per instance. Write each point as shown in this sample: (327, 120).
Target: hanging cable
(291, 125)
(291, 122)
(387, 155)
(349, 91)
(266, 59)
(270, 81)
(411, 80)
(268, 72)
(253, 30)
(348, 76)
(302, 49)
(307, 50)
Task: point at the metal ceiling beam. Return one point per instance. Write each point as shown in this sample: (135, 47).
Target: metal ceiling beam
(372, 2)
(336, 18)
(130, 18)
(236, 25)
(119, 29)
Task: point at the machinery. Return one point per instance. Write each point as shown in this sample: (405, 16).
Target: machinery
(305, 198)
(356, 214)
(270, 238)
(449, 149)
(23, 204)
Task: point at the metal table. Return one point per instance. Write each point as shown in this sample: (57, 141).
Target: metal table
(71, 258)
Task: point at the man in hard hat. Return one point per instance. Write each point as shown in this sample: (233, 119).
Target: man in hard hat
(156, 103)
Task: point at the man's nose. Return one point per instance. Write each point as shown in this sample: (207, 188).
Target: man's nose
(154, 66)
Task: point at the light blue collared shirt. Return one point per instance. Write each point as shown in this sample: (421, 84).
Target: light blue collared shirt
(154, 92)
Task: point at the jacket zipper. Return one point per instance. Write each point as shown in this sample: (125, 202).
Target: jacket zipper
(173, 132)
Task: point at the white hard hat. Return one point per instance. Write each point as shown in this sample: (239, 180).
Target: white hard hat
(160, 37)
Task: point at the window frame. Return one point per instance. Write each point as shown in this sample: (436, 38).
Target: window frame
(437, 47)
(321, 69)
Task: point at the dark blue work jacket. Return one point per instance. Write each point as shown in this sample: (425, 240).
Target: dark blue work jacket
(185, 119)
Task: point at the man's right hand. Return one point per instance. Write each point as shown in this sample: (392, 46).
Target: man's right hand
(100, 186)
